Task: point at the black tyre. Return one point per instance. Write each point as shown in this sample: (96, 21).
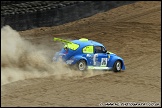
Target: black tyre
(82, 65)
(117, 66)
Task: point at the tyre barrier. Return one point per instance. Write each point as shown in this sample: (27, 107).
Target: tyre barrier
(32, 14)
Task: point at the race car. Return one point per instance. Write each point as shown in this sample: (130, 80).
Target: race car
(86, 54)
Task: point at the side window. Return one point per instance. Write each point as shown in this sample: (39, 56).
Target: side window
(99, 49)
(88, 49)
(72, 46)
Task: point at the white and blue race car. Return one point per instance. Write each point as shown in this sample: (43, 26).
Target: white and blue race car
(88, 54)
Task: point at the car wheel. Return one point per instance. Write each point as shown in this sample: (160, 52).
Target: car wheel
(117, 66)
(81, 65)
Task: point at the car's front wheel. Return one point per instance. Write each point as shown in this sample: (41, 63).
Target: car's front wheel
(82, 65)
(117, 66)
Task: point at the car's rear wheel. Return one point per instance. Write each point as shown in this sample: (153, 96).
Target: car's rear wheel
(82, 65)
(117, 66)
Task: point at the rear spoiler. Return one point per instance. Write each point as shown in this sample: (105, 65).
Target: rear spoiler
(69, 44)
(62, 40)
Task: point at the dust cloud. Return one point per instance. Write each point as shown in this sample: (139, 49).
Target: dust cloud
(21, 60)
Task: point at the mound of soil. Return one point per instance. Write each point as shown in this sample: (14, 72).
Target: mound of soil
(131, 31)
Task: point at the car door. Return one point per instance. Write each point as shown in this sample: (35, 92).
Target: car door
(88, 52)
(100, 58)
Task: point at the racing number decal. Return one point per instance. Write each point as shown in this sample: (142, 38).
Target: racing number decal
(104, 62)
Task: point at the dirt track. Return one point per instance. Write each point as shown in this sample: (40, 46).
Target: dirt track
(131, 31)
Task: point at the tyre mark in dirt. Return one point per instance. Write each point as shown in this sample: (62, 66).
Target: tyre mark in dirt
(142, 61)
(139, 14)
(145, 62)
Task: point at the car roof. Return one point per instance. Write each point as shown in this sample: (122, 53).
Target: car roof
(84, 42)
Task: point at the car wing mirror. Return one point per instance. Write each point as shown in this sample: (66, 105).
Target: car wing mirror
(107, 52)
